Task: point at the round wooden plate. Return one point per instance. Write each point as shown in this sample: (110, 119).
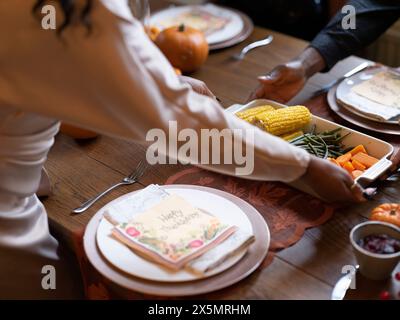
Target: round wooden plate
(249, 263)
(345, 114)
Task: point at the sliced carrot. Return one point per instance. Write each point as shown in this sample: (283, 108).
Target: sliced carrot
(357, 173)
(344, 158)
(359, 148)
(358, 165)
(334, 161)
(365, 159)
(348, 166)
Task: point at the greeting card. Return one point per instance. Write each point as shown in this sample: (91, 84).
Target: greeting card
(173, 232)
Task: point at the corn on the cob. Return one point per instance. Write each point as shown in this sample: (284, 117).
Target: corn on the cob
(283, 121)
(292, 135)
(249, 114)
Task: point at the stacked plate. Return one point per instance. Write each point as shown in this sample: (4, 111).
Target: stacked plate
(223, 27)
(361, 111)
(122, 266)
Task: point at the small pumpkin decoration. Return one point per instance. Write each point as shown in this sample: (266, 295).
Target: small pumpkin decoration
(178, 71)
(77, 133)
(387, 212)
(153, 32)
(186, 48)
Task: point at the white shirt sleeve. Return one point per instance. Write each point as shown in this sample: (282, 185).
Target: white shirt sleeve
(117, 82)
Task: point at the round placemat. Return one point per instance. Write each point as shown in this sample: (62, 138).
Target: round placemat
(250, 262)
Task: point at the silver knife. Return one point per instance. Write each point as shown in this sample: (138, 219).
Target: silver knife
(352, 72)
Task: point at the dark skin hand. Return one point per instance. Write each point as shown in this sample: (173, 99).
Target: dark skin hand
(285, 81)
(336, 187)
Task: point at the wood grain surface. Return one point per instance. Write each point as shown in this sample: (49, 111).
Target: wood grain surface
(307, 270)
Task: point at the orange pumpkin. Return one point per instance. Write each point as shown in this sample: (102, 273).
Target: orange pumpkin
(388, 212)
(186, 48)
(153, 32)
(77, 133)
(178, 72)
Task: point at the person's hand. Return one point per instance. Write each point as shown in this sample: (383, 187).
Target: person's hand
(282, 83)
(286, 80)
(331, 183)
(198, 86)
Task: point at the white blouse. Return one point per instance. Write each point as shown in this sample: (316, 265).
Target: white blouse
(114, 81)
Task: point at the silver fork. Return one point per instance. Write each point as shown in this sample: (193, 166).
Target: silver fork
(252, 46)
(131, 179)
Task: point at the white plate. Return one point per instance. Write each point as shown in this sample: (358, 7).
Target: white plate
(351, 101)
(229, 31)
(126, 260)
(246, 266)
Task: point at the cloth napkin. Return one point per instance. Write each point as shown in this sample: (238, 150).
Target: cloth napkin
(123, 211)
(126, 209)
(377, 97)
(369, 107)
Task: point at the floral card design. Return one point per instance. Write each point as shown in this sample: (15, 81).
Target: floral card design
(174, 229)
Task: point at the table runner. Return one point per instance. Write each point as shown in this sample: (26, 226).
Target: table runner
(287, 211)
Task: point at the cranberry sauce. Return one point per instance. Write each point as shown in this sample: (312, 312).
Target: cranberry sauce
(380, 243)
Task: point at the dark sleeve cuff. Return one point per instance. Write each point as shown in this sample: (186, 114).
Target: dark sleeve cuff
(373, 17)
(328, 49)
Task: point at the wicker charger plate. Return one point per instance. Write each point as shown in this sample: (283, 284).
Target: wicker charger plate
(239, 271)
(351, 117)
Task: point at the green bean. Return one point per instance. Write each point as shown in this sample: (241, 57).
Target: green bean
(314, 141)
(348, 149)
(342, 137)
(326, 147)
(323, 145)
(297, 139)
(313, 149)
(336, 154)
(331, 132)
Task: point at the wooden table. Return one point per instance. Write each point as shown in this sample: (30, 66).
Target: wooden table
(307, 270)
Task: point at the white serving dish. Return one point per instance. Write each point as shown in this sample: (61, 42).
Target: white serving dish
(375, 147)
